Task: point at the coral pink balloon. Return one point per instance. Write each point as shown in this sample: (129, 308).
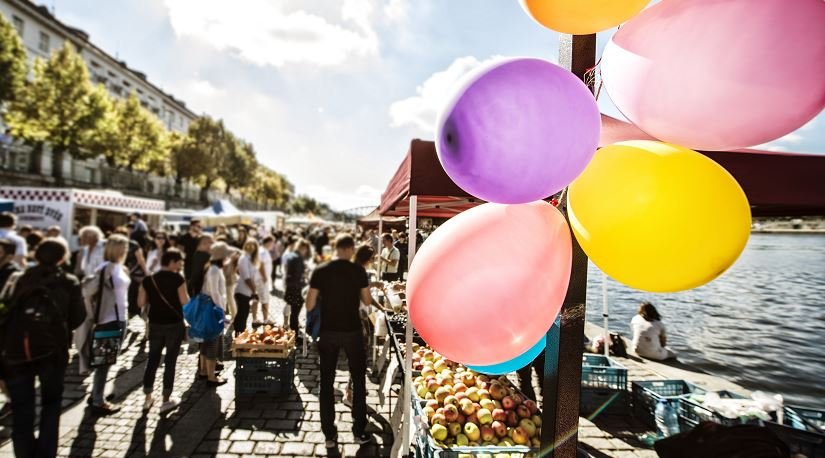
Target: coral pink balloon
(719, 74)
(489, 283)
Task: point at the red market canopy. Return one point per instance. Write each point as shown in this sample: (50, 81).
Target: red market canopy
(776, 183)
(421, 174)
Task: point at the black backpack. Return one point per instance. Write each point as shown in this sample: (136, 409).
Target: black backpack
(35, 327)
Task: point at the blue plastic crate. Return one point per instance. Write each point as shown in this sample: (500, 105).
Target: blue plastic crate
(269, 376)
(603, 387)
(646, 393)
(600, 372)
(692, 412)
(802, 437)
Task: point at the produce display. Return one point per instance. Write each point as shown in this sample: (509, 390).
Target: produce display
(268, 335)
(268, 341)
(463, 408)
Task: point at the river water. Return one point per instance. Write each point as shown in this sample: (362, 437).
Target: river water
(761, 324)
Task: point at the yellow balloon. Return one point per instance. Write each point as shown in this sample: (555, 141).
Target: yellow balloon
(582, 17)
(658, 217)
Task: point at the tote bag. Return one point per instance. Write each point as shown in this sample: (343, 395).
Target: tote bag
(205, 318)
(105, 338)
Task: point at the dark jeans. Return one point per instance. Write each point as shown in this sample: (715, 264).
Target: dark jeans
(242, 303)
(22, 394)
(162, 336)
(295, 300)
(328, 347)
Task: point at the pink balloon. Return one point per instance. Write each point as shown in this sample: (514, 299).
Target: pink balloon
(489, 283)
(719, 74)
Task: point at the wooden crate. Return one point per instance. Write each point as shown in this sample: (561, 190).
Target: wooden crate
(261, 350)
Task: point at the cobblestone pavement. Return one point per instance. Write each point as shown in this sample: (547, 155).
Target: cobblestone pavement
(212, 422)
(209, 421)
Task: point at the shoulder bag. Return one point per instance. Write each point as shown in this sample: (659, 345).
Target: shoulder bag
(105, 338)
(177, 312)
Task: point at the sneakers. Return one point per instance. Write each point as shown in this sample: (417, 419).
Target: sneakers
(106, 408)
(147, 404)
(169, 405)
(332, 443)
(347, 401)
(363, 439)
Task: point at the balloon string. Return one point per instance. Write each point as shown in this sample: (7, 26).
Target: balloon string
(590, 77)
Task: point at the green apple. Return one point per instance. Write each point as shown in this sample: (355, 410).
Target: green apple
(439, 432)
(472, 432)
(462, 440)
(485, 417)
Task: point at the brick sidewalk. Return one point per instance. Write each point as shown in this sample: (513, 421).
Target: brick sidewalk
(209, 421)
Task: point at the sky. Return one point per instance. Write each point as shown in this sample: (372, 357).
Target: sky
(331, 92)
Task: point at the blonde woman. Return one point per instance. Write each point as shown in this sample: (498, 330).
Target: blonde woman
(113, 308)
(246, 290)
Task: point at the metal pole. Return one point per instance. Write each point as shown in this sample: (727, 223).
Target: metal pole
(407, 424)
(605, 315)
(380, 232)
(563, 356)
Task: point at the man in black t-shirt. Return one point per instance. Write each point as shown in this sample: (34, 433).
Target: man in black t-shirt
(189, 242)
(164, 293)
(342, 286)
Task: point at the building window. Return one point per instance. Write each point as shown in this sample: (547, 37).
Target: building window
(43, 45)
(94, 64)
(117, 90)
(18, 24)
(99, 79)
(112, 74)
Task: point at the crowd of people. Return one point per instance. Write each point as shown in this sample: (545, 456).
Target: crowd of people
(85, 298)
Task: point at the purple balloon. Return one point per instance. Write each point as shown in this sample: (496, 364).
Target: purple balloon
(517, 131)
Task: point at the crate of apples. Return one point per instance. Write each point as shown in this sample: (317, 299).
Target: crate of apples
(463, 408)
(269, 341)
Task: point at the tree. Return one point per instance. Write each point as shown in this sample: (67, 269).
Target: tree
(139, 136)
(185, 161)
(60, 106)
(241, 163)
(209, 138)
(306, 204)
(13, 67)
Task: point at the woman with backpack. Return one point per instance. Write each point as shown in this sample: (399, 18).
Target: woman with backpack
(111, 310)
(33, 347)
(164, 293)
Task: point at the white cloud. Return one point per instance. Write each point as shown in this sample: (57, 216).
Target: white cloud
(397, 10)
(362, 196)
(791, 138)
(421, 110)
(266, 33)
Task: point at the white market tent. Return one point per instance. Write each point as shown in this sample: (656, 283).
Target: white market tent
(221, 212)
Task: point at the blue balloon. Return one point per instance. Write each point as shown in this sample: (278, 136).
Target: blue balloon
(515, 363)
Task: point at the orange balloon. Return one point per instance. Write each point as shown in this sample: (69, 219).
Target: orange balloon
(582, 17)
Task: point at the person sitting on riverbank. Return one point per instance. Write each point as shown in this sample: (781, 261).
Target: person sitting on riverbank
(649, 336)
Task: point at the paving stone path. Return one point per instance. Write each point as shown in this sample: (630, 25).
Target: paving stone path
(209, 422)
(213, 422)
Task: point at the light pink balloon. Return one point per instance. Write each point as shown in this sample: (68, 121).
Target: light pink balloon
(719, 74)
(490, 282)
